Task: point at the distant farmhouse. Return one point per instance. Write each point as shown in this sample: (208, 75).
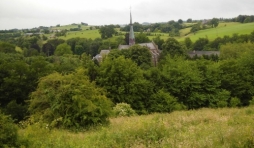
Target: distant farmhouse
(155, 52)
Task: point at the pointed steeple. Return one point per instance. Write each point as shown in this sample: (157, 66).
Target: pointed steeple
(131, 34)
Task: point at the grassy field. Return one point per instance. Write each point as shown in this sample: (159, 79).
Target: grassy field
(82, 34)
(220, 31)
(204, 128)
(68, 27)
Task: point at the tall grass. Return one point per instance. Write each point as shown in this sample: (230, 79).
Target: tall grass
(209, 128)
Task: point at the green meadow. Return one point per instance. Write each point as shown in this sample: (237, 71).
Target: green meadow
(203, 128)
(68, 27)
(82, 34)
(222, 30)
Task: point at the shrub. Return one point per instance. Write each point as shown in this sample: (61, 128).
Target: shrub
(234, 102)
(69, 101)
(9, 133)
(252, 101)
(162, 101)
(123, 109)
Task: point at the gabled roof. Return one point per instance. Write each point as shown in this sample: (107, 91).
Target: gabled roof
(123, 47)
(104, 52)
(149, 45)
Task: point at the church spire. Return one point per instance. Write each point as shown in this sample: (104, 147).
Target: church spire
(131, 34)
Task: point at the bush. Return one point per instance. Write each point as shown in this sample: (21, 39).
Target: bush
(235, 102)
(69, 101)
(9, 132)
(162, 101)
(252, 101)
(123, 109)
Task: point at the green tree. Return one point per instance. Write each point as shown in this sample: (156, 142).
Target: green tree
(158, 41)
(7, 47)
(172, 47)
(9, 133)
(189, 20)
(69, 101)
(188, 42)
(195, 28)
(18, 78)
(182, 79)
(141, 38)
(252, 37)
(124, 82)
(235, 50)
(180, 21)
(214, 22)
(140, 55)
(162, 101)
(107, 31)
(63, 49)
(236, 77)
(200, 44)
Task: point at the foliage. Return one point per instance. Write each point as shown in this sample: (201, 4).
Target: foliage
(140, 55)
(7, 47)
(163, 102)
(234, 50)
(123, 109)
(107, 31)
(172, 47)
(9, 133)
(214, 22)
(124, 82)
(235, 102)
(158, 41)
(188, 43)
(63, 49)
(200, 44)
(69, 101)
(141, 38)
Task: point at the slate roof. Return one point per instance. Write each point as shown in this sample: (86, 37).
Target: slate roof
(201, 53)
(149, 45)
(120, 47)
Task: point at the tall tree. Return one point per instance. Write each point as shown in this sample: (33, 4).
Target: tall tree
(214, 22)
(172, 47)
(124, 82)
(63, 49)
(107, 31)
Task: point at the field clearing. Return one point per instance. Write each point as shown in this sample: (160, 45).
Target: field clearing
(68, 27)
(222, 30)
(93, 34)
(224, 128)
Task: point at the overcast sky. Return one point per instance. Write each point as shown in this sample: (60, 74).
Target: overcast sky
(34, 13)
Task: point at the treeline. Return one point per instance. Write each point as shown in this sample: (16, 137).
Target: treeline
(206, 44)
(240, 18)
(170, 27)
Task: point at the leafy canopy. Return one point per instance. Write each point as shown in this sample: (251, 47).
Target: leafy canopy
(69, 101)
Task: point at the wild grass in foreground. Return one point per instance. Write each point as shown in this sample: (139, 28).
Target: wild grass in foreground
(209, 128)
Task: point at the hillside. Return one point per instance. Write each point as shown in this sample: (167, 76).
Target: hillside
(223, 29)
(227, 127)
